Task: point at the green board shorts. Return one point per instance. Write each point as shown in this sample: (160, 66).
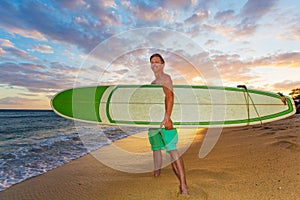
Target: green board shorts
(163, 139)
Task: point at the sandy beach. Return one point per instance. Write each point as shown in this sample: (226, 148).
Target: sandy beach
(255, 162)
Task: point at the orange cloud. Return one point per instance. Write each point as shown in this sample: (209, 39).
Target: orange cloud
(291, 59)
(43, 48)
(34, 34)
(6, 43)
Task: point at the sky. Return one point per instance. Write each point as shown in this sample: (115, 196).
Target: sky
(48, 46)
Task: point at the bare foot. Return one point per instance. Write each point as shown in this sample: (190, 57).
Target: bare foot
(156, 173)
(184, 190)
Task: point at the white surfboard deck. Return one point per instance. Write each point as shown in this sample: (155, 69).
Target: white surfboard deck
(194, 106)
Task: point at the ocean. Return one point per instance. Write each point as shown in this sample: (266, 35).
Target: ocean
(33, 142)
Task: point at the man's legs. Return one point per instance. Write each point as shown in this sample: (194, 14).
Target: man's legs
(178, 167)
(157, 158)
(157, 144)
(170, 138)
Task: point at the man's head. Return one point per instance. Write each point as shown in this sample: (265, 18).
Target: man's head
(156, 55)
(157, 63)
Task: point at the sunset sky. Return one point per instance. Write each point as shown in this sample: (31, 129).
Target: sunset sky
(48, 46)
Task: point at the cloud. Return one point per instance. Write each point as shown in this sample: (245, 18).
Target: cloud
(286, 85)
(13, 20)
(293, 33)
(109, 4)
(155, 16)
(34, 34)
(252, 11)
(290, 59)
(43, 48)
(244, 30)
(229, 64)
(234, 69)
(2, 52)
(74, 4)
(197, 17)
(180, 4)
(211, 42)
(224, 15)
(32, 19)
(17, 54)
(98, 11)
(6, 43)
(38, 78)
(297, 33)
(237, 26)
(133, 66)
(126, 4)
(28, 94)
(80, 25)
(101, 12)
(86, 23)
(255, 9)
(15, 101)
(81, 20)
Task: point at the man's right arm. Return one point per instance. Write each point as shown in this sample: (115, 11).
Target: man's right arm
(169, 102)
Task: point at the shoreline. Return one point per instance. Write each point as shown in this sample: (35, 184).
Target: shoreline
(255, 162)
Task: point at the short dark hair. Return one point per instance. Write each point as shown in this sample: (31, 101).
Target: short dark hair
(157, 55)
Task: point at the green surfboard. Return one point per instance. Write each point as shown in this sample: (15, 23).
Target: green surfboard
(194, 106)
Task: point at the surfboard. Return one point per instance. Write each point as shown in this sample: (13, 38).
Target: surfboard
(194, 105)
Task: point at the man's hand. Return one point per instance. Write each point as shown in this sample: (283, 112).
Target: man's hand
(167, 123)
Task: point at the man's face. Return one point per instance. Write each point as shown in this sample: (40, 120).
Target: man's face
(156, 64)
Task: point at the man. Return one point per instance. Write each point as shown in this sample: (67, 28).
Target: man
(167, 137)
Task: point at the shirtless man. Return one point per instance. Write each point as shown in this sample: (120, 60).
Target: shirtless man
(167, 137)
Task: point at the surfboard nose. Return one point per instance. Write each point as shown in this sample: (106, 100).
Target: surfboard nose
(79, 103)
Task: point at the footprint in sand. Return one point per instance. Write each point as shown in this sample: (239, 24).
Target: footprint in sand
(286, 137)
(268, 133)
(286, 144)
